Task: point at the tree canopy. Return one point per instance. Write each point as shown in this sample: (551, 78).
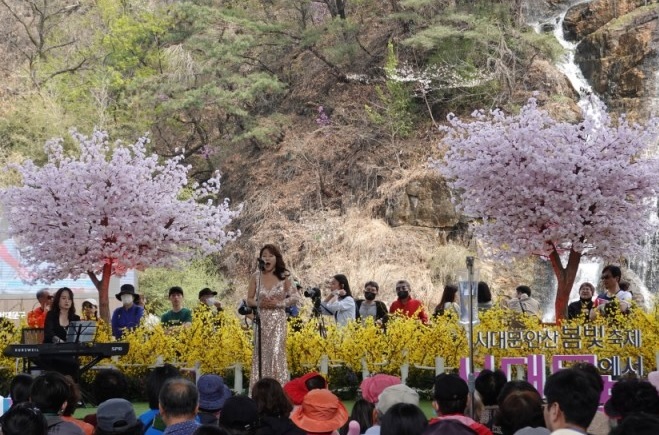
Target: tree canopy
(111, 209)
(541, 186)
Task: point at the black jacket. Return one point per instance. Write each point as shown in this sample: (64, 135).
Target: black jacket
(278, 426)
(381, 312)
(574, 309)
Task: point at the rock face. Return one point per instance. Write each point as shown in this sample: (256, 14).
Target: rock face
(425, 202)
(553, 89)
(585, 18)
(540, 11)
(619, 60)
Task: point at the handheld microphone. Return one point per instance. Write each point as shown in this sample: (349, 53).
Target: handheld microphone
(261, 264)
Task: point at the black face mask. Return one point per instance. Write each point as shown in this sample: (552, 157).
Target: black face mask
(369, 296)
(403, 294)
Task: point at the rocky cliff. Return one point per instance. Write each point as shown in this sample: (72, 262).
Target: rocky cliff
(617, 51)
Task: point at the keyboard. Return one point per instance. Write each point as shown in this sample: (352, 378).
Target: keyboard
(99, 350)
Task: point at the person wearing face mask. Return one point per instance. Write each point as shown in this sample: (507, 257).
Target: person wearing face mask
(128, 315)
(406, 305)
(369, 307)
(207, 299)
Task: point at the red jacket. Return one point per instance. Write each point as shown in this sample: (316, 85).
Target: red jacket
(36, 318)
(410, 309)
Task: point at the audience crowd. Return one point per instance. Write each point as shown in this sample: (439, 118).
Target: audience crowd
(568, 405)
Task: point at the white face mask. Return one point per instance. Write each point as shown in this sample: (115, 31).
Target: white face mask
(126, 299)
(210, 301)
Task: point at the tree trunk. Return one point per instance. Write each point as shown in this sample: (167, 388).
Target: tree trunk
(103, 286)
(565, 277)
(341, 8)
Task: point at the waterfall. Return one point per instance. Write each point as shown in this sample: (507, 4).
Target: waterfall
(567, 64)
(646, 266)
(643, 272)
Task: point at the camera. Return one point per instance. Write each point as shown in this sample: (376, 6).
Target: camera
(244, 309)
(312, 293)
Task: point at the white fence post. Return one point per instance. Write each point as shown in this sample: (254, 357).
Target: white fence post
(439, 365)
(324, 365)
(238, 378)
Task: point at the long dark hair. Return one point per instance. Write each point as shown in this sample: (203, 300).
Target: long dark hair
(55, 305)
(447, 296)
(484, 293)
(270, 398)
(343, 280)
(280, 267)
(362, 413)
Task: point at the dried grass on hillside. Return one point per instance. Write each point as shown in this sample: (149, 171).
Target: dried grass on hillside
(362, 248)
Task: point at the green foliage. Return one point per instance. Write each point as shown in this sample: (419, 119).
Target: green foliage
(394, 112)
(30, 122)
(529, 43)
(209, 89)
(155, 282)
(475, 50)
(339, 42)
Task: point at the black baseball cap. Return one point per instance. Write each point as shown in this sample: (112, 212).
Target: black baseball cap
(206, 292)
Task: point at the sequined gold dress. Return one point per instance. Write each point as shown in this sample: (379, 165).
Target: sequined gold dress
(273, 336)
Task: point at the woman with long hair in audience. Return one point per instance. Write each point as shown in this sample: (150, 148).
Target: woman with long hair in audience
(448, 303)
(361, 414)
(274, 408)
(339, 302)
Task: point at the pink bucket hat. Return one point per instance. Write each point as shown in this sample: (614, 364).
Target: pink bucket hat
(373, 386)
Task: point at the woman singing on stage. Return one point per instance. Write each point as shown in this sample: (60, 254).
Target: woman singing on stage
(270, 292)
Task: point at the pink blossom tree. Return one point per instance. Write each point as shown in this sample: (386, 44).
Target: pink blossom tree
(110, 209)
(539, 186)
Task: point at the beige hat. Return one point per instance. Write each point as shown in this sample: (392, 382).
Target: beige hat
(396, 394)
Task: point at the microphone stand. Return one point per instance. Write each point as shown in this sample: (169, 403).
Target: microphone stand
(257, 317)
(472, 378)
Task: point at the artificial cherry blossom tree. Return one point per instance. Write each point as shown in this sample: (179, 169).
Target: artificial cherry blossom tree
(112, 208)
(540, 186)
